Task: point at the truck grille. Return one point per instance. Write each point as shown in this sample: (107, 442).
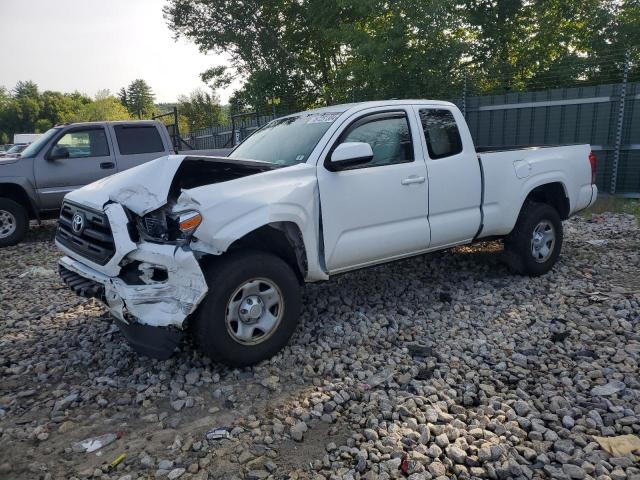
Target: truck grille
(86, 232)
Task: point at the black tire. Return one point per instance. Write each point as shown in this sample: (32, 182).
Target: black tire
(224, 277)
(15, 213)
(519, 244)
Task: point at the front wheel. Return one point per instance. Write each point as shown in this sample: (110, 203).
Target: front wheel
(14, 222)
(251, 310)
(534, 245)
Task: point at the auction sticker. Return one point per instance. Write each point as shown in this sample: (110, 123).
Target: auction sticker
(328, 117)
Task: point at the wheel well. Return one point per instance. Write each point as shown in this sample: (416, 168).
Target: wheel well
(283, 239)
(18, 194)
(552, 194)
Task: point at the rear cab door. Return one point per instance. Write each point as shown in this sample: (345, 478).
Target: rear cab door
(376, 211)
(455, 179)
(137, 143)
(90, 158)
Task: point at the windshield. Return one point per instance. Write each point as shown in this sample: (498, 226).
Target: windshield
(286, 141)
(36, 146)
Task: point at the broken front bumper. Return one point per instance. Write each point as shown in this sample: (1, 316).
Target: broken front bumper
(158, 303)
(138, 302)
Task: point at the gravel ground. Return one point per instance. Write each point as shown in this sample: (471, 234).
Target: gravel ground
(443, 366)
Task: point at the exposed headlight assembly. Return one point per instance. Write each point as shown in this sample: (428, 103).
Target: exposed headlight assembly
(160, 226)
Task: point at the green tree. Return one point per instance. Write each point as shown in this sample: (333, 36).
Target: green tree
(518, 44)
(315, 52)
(104, 108)
(26, 89)
(61, 107)
(42, 125)
(123, 97)
(138, 99)
(261, 38)
(201, 110)
(24, 108)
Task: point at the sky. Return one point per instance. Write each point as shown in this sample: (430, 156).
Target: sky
(91, 45)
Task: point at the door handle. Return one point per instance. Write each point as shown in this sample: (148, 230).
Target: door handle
(412, 179)
(107, 165)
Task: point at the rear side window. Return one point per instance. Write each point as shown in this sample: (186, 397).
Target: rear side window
(135, 140)
(440, 132)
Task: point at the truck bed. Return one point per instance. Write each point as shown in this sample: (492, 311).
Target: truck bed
(509, 174)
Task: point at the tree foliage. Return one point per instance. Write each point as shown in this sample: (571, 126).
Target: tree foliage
(200, 109)
(25, 109)
(309, 52)
(138, 99)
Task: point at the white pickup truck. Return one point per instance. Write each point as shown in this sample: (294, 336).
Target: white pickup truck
(220, 247)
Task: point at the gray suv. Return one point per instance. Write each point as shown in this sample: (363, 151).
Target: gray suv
(33, 184)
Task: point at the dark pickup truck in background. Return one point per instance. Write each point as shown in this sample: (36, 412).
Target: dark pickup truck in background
(66, 157)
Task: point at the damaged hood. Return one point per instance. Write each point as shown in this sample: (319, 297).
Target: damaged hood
(146, 187)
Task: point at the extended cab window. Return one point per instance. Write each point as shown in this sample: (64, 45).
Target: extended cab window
(84, 143)
(440, 132)
(135, 140)
(388, 136)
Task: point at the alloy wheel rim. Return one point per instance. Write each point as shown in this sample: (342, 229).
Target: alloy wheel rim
(7, 224)
(543, 241)
(254, 311)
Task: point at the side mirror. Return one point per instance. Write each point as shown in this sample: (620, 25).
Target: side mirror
(349, 154)
(58, 153)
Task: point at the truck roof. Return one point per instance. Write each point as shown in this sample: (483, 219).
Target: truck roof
(343, 107)
(112, 122)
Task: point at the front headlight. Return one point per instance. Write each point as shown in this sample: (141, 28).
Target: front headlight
(160, 226)
(188, 222)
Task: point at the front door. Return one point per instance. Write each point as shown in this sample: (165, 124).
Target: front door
(376, 211)
(83, 155)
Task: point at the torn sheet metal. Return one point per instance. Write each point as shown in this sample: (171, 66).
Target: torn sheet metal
(141, 189)
(159, 304)
(163, 303)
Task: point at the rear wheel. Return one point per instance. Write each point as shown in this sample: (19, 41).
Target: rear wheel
(14, 222)
(251, 310)
(534, 245)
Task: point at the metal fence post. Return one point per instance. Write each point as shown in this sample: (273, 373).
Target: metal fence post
(464, 97)
(176, 131)
(620, 125)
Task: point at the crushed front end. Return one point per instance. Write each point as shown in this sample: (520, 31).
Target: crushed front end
(141, 267)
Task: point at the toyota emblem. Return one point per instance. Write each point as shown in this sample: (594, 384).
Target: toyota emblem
(77, 223)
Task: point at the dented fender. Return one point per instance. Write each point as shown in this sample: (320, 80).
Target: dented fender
(231, 210)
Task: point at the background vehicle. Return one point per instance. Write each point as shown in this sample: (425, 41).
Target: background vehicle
(14, 150)
(222, 245)
(25, 137)
(67, 157)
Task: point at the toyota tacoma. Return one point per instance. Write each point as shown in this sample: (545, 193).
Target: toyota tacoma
(219, 248)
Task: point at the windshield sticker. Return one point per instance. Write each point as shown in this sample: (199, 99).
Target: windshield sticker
(299, 158)
(323, 117)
